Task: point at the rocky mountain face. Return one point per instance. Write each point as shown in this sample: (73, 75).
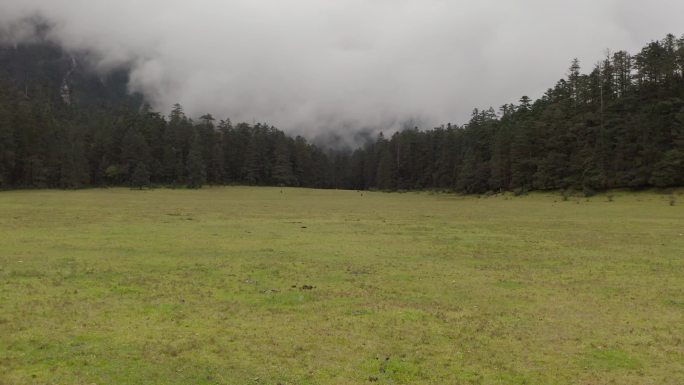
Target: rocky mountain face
(45, 70)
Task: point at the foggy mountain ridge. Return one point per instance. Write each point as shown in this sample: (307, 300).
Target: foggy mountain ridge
(67, 121)
(39, 61)
(313, 67)
(40, 65)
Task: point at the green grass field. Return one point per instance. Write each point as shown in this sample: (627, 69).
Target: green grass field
(209, 287)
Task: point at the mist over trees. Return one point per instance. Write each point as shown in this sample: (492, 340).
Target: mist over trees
(619, 125)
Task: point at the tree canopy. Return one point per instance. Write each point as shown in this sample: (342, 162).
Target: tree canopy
(621, 125)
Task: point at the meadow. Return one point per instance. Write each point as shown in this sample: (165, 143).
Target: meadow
(242, 285)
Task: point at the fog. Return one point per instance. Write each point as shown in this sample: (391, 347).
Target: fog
(320, 66)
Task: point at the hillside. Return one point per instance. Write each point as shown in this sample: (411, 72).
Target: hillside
(65, 125)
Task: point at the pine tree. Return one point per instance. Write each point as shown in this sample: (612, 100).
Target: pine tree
(134, 149)
(253, 163)
(386, 174)
(283, 175)
(669, 170)
(216, 165)
(196, 174)
(303, 162)
(141, 176)
(7, 147)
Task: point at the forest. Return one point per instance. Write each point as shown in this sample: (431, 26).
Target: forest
(621, 125)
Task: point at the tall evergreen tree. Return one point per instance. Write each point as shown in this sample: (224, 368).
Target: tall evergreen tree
(141, 176)
(283, 175)
(196, 171)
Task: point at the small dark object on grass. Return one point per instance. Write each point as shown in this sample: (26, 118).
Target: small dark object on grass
(304, 227)
(308, 287)
(372, 379)
(673, 200)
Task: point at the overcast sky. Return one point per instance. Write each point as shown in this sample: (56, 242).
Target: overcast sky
(315, 65)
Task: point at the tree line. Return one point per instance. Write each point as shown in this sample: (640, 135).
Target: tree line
(619, 126)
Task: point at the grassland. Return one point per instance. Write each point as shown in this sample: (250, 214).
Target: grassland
(212, 287)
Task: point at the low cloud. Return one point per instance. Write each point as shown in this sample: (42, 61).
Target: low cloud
(320, 66)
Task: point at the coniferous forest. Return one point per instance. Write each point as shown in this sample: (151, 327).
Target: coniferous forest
(619, 125)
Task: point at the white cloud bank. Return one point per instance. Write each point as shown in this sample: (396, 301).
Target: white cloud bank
(311, 66)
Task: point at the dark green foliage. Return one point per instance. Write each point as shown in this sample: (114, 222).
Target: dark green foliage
(134, 150)
(283, 175)
(386, 174)
(196, 171)
(7, 144)
(141, 176)
(620, 125)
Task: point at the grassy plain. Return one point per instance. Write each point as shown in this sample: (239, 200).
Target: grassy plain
(208, 287)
